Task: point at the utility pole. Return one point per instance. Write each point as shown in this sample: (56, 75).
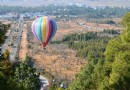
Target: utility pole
(0, 53)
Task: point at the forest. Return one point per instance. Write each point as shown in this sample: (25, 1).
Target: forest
(111, 69)
(3, 30)
(91, 43)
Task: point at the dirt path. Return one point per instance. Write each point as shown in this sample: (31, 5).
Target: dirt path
(23, 44)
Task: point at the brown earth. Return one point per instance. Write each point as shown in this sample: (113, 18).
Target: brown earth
(23, 45)
(81, 26)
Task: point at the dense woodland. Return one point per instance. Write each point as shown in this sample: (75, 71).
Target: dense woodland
(18, 76)
(3, 30)
(110, 70)
(91, 43)
(73, 10)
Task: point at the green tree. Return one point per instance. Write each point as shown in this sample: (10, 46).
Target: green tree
(7, 73)
(118, 59)
(6, 55)
(17, 77)
(26, 77)
(111, 72)
(3, 30)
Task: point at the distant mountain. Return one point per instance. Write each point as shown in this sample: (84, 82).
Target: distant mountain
(113, 3)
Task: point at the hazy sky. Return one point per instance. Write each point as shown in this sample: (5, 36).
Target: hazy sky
(116, 3)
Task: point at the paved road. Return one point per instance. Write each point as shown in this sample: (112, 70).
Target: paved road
(4, 46)
(15, 48)
(16, 43)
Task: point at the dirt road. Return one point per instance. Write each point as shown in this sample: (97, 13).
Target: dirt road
(23, 44)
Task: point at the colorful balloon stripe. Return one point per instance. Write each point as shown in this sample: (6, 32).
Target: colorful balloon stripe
(44, 29)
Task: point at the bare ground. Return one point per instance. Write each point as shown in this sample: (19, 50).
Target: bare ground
(23, 45)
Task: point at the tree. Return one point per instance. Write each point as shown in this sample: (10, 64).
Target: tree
(118, 59)
(6, 73)
(6, 55)
(111, 72)
(26, 77)
(17, 77)
(3, 30)
(126, 20)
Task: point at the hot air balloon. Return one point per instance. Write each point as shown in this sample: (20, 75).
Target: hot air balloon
(44, 29)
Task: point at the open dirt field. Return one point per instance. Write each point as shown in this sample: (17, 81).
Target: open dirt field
(81, 26)
(57, 60)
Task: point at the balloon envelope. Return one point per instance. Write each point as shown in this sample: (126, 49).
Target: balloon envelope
(44, 29)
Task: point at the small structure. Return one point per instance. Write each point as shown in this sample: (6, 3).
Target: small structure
(64, 86)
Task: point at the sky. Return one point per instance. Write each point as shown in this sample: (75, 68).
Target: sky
(34, 3)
